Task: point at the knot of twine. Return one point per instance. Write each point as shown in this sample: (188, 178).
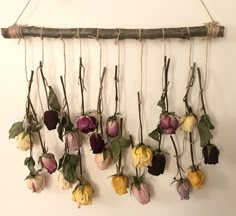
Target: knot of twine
(213, 29)
(14, 31)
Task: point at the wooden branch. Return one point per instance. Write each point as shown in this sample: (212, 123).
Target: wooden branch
(17, 31)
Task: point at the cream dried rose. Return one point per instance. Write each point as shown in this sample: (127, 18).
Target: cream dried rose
(36, 183)
(63, 184)
(188, 122)
(102, 163)
(23, 141)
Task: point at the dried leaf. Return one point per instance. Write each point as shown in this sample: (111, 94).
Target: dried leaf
(53, 100)
(16, 129)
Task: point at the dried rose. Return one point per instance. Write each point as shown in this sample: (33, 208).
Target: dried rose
(120, 183)
(97, 143)
(23, 141)
(50, 119)
(211, 154)
(142, 156)
(36, 183)
(183, 188)
(83, 194)
(196, 178)
(112, 127)
(72, 140)
(86, 123)
(103, 160)
(141, 193)
(48, 162)
(188, 122)
(62, 183)
(158, 164)
(168, 123)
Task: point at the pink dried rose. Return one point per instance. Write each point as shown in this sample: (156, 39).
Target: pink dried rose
(72, 140)
(50, 119)
(36, 183)
(86, 123)
(141, 193)
(183, 188)
(168, 123)
(112, 127)
(48, 162)
(103, 160)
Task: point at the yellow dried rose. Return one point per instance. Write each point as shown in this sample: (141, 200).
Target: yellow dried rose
(188, 122)
(83, 194)
(120, 183)
(142, 156)
(23, 141)
(196, 178)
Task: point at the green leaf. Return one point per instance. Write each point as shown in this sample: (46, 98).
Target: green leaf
(161, 103)
(30, 163)
(16, 129)
(53, 100)
(156, 134)
(204, 132)
(69, 173)
(60, 130)
(116, 150)
(208, 121)
(73, 160)
(124, 143)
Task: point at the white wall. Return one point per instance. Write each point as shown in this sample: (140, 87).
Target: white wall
(217, 197)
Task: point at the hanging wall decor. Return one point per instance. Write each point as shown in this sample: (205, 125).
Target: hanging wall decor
(107, 138)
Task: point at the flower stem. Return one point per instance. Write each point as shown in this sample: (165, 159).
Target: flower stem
(201, 90)
(120, 156)
(28, 96)
(116, 88)
(44, 83)
(140, 118)
(81, 83)
(159, 143)
(80, 163)
(64, 92)
(177, 157)
(191, 151)
(132, 145)
(166, 66)
(31, 145)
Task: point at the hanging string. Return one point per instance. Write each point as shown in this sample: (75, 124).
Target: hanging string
(22, 12)
(117, 41)
(208, 12)
(26, 72)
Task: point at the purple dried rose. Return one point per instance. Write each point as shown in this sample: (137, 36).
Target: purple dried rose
(86, 123)
(97, 143)
(48, 162)
(183, 188)
(211, 154)
(72, 140)
(158, 164)
(50, 119)
(168, 123)
(112, 127)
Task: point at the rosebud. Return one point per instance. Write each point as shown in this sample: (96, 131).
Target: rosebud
(72, 141)
(120, 183)
(36, 183)
(141, 193)
(210, 153)
(183, 188)
(86, 123)
(142, 156)
(196, 178)
(23, 141)
(48, 162)
(103, 159)
(158, 164)
(62, 183)
(50, 119)
(188, 122)
(168, 123)
(112, 127)
(82, 194)
(97, 143)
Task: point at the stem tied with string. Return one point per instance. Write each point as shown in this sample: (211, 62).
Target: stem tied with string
(81, 82)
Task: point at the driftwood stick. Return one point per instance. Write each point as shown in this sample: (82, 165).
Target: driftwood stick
(18, 31)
